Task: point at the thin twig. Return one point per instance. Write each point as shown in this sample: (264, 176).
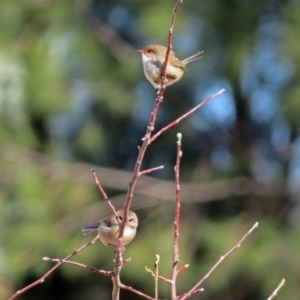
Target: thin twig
(156, 275)
(159, 95)
(154, 137)
(74, 263)
(177, 212)
(182, 268)
(162, 278)
(129, 288)
(119, 248)
(176, 219)
(43, 278)
(105, 195)
(274, 294)
(170, 37)
(150, 170)
(238, 245)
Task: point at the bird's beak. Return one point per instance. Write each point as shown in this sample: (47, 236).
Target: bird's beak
(140, 51)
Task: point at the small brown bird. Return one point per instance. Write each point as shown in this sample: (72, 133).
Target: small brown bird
(108, 228)
(153, 57)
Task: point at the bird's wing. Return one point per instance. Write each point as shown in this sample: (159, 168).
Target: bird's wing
(89, 229)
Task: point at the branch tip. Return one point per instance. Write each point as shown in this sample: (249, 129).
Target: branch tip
(179, 135)
(274, 294)
(157, 258)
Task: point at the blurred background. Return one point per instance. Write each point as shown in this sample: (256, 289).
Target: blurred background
(73, 97)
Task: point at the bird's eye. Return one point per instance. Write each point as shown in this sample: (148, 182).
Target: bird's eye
(120, 218)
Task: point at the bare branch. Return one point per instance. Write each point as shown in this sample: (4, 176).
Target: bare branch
(155, 274)
(162, 278)
(129, 288)
(105, 196)
(142, 150)
(176, 219)
(43, 278)
(238, 245)
(154, 137)
(65, 261)
(159, 95)
(150, 170)
(274, 294)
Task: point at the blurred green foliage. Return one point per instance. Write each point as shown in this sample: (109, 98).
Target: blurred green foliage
(73, 96)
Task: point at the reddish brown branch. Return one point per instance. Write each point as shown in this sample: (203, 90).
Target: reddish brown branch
(142, 150)
(92, 269)
(43, 278)
(159, 95)
(119, 248)
(238, 245)
(150, 170)
(177, 211)
(105, 196)
(170, 36)
(155, 136)
(150, 127)
(129, 288)
(182, 268)
(176, 221)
